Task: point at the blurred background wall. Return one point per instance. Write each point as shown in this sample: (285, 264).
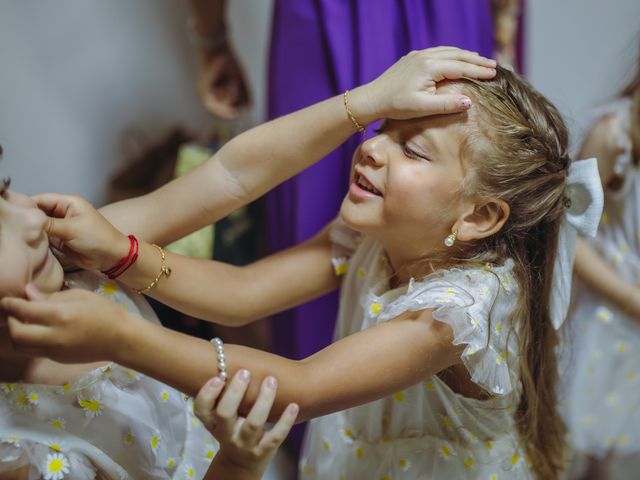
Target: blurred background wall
(79, 76)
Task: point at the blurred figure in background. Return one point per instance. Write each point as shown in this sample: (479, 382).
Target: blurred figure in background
(604, 384)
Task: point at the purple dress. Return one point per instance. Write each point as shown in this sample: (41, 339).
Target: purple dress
(319, 48)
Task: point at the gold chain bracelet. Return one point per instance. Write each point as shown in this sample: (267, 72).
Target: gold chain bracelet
(165, 270)
(351, 117)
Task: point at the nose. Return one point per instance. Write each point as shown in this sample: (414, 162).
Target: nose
(372, 150)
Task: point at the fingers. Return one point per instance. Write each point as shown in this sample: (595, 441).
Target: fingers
(26, 336)
(454, 69)
(226, 413)
(57, 204)
(205, 401)
(60, 229)
(252, 427)
(444, 103)
(453, 53)
(274, 437)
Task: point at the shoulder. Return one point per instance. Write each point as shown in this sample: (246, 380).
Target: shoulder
(604, 142)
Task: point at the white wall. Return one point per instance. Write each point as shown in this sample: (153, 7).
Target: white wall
(76, 74)
(581, 52)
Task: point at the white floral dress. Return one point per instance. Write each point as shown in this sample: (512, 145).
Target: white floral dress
(113, 423)
(426, 431)
(603, 382)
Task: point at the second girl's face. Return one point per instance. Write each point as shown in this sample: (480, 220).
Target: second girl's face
(24, 247)
(406, 183)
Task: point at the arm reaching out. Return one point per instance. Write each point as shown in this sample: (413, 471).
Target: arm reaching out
(256, 161)
(73, 326)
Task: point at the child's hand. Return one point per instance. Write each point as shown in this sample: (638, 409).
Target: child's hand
(408, 88)
(81, 232)
(245, 447)
(72, 326)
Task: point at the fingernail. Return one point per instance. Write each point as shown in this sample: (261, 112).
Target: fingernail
(293, 409)
(272, 383)
(464, 102)
(215, 382)
(244, 375)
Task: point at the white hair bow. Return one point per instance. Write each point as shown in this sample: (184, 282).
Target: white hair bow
(586, 199)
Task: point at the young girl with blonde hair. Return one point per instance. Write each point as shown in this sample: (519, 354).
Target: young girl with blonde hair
(451, 251)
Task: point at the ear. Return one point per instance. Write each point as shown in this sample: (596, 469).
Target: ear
(482, 219)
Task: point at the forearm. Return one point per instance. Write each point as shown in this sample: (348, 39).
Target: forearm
(233, 295)
(208, 16)
(244, 169)
(604, 280)
(186, 362)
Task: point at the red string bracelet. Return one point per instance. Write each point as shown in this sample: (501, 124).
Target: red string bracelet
(124, 264)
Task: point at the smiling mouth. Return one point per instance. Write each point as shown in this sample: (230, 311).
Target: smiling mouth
(363, 183)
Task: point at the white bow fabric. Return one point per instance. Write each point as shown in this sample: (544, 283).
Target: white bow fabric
(584, 191)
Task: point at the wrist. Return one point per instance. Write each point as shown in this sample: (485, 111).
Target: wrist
(125, 333)
(240, 468)
(361, 105)
(122, 254)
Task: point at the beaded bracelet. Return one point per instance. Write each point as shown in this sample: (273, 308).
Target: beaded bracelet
(222, 365)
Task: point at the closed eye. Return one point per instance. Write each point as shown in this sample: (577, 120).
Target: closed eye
(409, 152)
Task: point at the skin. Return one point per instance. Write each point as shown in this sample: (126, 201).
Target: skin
(354, 370)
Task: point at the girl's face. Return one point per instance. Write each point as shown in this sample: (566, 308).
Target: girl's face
(406, 183)
(24, 247)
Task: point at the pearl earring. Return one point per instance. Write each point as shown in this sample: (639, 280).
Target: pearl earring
(451, 239)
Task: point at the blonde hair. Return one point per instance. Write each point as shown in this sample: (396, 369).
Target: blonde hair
(516, 151)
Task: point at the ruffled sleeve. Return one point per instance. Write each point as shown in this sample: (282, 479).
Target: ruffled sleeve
(478, 305)
(345, 241)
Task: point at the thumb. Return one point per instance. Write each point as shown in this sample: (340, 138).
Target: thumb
(59, 228)
(445, 103)
(33, 293)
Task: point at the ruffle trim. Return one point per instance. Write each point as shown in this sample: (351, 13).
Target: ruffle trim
(468, 301)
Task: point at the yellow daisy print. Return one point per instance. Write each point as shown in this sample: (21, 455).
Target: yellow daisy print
(56, 466)
(361, 272)
(621, 347)
(430, 386)
(398, 396)
(493, 477)
(209, 453)
(604, 315)
(325, 444)
(189, 472)
(155, 443)
(164, 396)
(22, 401)
(59, 423)
(171, 463)
(128, 438)
(404, 464)
(516, 458)
(358, 452)
(340, 266)
(107, 288)
(632, 376)
(346, 435)
(468, 462)
(92, 407)
(375, 308)
(7, 387)
(56, 445)
(446, 451)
